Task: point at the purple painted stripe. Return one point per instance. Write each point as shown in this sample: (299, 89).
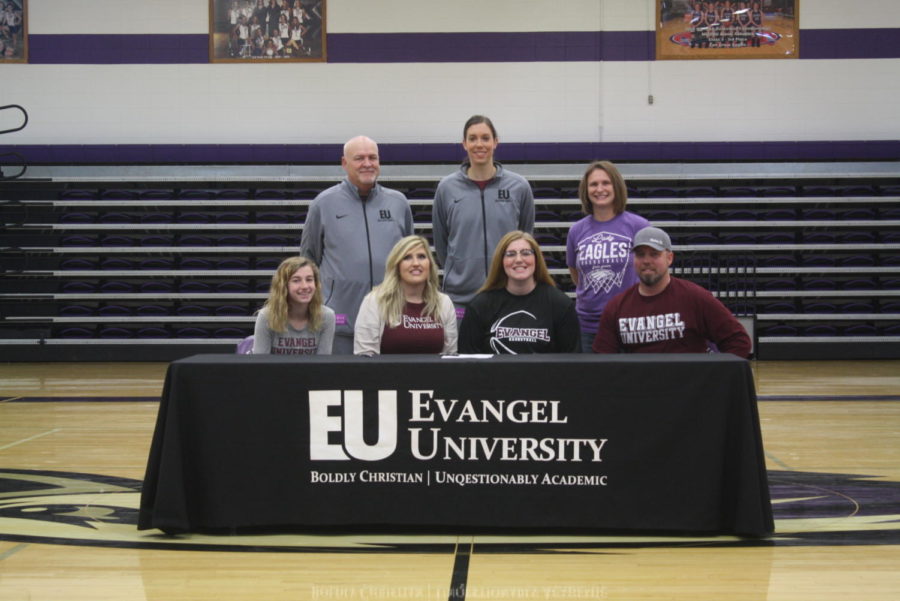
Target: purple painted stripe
(126, 154)
(206, 154)
(114, 49)
(544, 46)
(547, 46)
(849, 43)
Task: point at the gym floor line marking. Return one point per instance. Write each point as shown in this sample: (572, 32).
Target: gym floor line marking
(30, 438)
(10, 552)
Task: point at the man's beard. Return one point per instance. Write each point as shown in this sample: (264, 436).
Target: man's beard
(650, 279)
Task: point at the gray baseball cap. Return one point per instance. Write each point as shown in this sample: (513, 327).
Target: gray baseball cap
(652, 237)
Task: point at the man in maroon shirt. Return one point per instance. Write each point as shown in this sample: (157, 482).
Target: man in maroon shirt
(665, 314)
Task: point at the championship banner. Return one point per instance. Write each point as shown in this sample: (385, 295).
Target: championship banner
(706, 30)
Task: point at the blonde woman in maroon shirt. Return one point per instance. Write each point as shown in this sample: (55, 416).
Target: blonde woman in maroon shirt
(407, 313)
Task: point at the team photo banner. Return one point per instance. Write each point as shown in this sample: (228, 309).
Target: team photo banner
(762, 29)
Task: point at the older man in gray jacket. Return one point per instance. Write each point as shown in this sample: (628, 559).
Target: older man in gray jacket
(349, 231)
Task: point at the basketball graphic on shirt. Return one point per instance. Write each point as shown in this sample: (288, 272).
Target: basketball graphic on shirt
(518, 326)
(604, 259)
(602, 278)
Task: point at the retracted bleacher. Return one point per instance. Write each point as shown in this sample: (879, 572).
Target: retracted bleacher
(98, 265)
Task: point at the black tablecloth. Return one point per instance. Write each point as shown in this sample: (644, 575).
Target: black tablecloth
(623, 442)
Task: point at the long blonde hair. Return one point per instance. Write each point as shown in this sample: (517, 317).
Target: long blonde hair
(389, 293)
(497, 277)
(277, 303)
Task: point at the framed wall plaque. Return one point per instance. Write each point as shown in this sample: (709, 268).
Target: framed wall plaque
(266, 30)
(727, 30)
(13, 31)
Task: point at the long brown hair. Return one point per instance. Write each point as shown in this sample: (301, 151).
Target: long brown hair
(277, 303)
(497, 277)
(618, 182)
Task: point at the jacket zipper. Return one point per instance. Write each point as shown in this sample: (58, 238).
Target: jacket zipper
(368, 238)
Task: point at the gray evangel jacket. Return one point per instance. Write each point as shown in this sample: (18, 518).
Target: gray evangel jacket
(349, 239)
(468, 223)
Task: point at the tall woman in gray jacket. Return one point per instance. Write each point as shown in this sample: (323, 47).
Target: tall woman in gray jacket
(473, 208)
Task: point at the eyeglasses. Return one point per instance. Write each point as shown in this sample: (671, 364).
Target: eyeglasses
(524, 253)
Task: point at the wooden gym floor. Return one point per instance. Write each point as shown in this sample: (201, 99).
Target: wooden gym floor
(74, 440)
